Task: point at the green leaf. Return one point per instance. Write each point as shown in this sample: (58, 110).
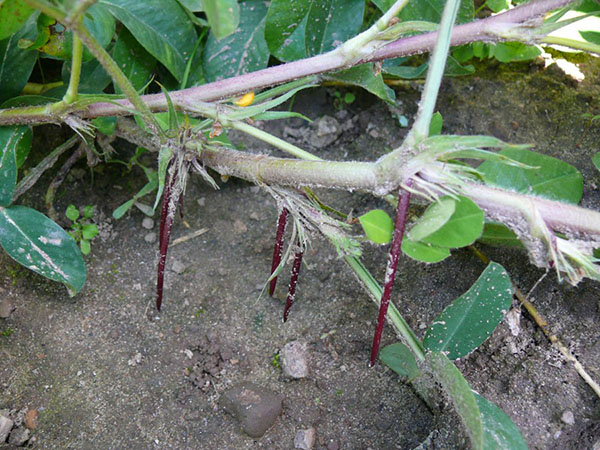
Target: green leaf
(121, 210)
(275, 115)
(223, 16)
(15, 142)
(135, 62)
(395, 68)
(514, 51)
(164, 157)
(285, 29)
(242, 52)
(400, 359)
(596, 160)
(193, 5)
(553, 179)
(39, 244)
(435, 126)
(16, 64)
(85, 247)
(172, 120)
(499, 431)
(497, 5)
(424, 252)
(13, 14)
(434, 218)
(364, 77)
(101, 25)
(162, 27)
(497, 234)
(591, 36)
(88, 211)
(377, 226)
(460, 394)
(470, 319)
(72, 213)
(93, 78)
(105, 125)
(463, 228)
(89, 231)
(331, 22)
(431, 11)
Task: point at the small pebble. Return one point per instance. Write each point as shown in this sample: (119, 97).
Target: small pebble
(178, 267)
(294, 359)
(201, 201)
(567, 417)
(150, 238)
(30, 419)
(6, 308)
(148, 223)
(19, 436)
(254, 215)
(305, 439)
(254, 407)
(5, 426)
(333, 445)
(255, 189)
(239, 227)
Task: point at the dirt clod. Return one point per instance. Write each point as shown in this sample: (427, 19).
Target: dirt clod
(30, 419)
(294, 360)
(305, 439)
(254, 407)
(6, 308)
(19, 436)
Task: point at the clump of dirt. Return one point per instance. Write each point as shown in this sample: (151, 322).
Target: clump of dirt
(209, 361)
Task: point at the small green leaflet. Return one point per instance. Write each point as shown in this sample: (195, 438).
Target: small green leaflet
(499, 235)
(550, 178)
(15, 142)
(223, 16)
(434, 218)
(241, 52)
(596, 160)
(39, 244)
(377, 226)
(470, 319)
(424, 252)
(400, 359)
(429, 10)
(499, 432)
(13, 14)
(462, 229)
(169, 36)
(460, 394)
(364, 77)
(435, 126)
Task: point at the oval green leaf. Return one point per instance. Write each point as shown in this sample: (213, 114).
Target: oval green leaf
(332, 22)
(460, 394)
(13, 14)
(223, 16)
(285, 29)
(463, 228)
(434, 218)
(377, 225)
(424, 252)
(364, 77)
(39, 244)
(499, 431)
(169, 36)
(15, 143)
(551, 178)
(16, 64)
(472, 318)
(400, 359)
(497, 234)
(135, 62)
(243, 51)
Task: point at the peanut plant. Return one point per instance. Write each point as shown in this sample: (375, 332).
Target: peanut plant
(172, 76)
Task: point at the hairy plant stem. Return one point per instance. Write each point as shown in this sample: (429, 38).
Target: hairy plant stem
(71, 94)
(390, 271)
(572, 43)
(491, 29)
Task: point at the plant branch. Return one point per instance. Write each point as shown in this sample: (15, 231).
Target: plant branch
(71, 94)
(572, 43)
(491, 29)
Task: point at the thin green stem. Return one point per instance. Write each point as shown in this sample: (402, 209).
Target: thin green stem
(393, 314)
(47, 8)
(80, 10)
(572, 43)
(71, 94)
(437, 64)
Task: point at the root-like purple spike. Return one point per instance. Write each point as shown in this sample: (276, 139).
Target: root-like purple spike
(293, 283)
(166, 221)
(390, 272)
(278, 249)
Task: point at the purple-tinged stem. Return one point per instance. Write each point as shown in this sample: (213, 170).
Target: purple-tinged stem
(180, 201)
(166, 220)
(278, 249)
(293, 282)
(390, 271)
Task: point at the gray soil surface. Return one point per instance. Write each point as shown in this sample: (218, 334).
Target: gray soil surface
(105, 370)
